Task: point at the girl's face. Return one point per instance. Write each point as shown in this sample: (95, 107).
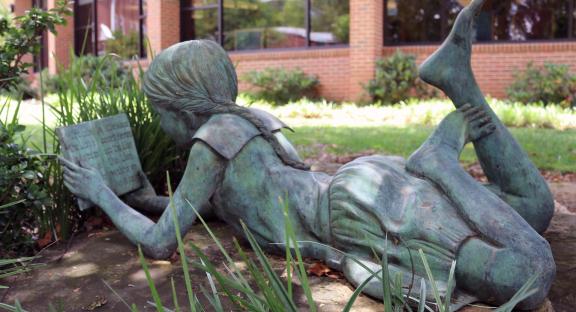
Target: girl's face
(180, 126)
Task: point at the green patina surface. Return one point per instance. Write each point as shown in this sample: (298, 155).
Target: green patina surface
(241, 165)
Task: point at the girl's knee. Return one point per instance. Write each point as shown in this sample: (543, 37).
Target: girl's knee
(496, 274)
(541, 266)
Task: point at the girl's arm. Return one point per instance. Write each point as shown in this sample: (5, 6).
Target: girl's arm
(146, 199)
(158, 240)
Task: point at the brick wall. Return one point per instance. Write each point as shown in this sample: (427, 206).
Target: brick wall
(331, 65)
(366, 41)
(163, 23)
(60, 45)
(20, 7)
(494, 64)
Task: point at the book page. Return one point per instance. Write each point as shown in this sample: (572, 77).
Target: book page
(106, 145)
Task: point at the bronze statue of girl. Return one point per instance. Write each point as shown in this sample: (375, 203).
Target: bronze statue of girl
(240, 163)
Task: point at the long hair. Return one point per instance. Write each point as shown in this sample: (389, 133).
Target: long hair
(197, 76)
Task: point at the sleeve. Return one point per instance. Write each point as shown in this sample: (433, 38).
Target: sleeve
(227, 134)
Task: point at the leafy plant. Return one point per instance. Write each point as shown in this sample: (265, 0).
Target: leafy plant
(280, 86)
(396, 80)
(549, 84)
(23, 192)
(21, 35)
(20, 88)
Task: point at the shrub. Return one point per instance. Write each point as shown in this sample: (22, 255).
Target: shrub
(397, 80)
(23, 195)
(21, 36)
(20, 88)
(549, 84)
(280, 86)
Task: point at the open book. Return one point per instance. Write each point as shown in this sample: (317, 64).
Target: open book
(106, 145)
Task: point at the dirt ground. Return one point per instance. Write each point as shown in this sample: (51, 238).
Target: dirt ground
(76, 278)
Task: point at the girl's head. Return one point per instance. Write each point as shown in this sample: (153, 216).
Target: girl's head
(193, 76)
(192, 80)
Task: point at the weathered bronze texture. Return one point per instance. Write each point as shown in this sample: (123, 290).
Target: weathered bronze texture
(240, 164)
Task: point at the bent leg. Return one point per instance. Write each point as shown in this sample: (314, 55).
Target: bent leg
(515, 179)
(510, 251)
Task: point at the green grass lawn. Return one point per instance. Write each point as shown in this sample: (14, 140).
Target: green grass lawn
(549, 149)
(397, 130)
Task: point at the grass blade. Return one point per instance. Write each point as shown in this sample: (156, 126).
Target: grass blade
(431, 279)
(450, 287)
(358, 291)
(523, 293)
(302, 274)
(153, 290)
(174, 295)
(387, 298)
(183, 259)
(116, 294)
(422, 303)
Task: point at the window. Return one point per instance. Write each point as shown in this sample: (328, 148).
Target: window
(415, 21)
(199, 20)
(264, 24)
(40, 59)
(119, 27)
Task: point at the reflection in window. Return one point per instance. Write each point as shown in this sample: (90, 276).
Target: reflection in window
(200, 21)
(83, 27)
(263, 24)
(119, 27)
(41, 60)
(414, 21)
(330, 21)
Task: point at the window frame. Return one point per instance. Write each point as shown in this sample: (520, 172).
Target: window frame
(219, 5)
(571, 36)
(93, 24)
(40, 60)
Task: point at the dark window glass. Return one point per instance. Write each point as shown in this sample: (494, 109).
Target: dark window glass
(41, 59)
(260, 24)
(413, 21)
(330, 22)
(83, 27)
(200, 24)
(143, 30)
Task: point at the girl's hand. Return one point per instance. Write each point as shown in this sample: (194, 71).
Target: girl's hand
(479, 122)
(82, 181)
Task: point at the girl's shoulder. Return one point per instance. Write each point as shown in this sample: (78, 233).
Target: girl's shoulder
(227, 134)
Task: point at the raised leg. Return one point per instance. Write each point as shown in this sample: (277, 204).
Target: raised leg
(507, 251)
(512, 175)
